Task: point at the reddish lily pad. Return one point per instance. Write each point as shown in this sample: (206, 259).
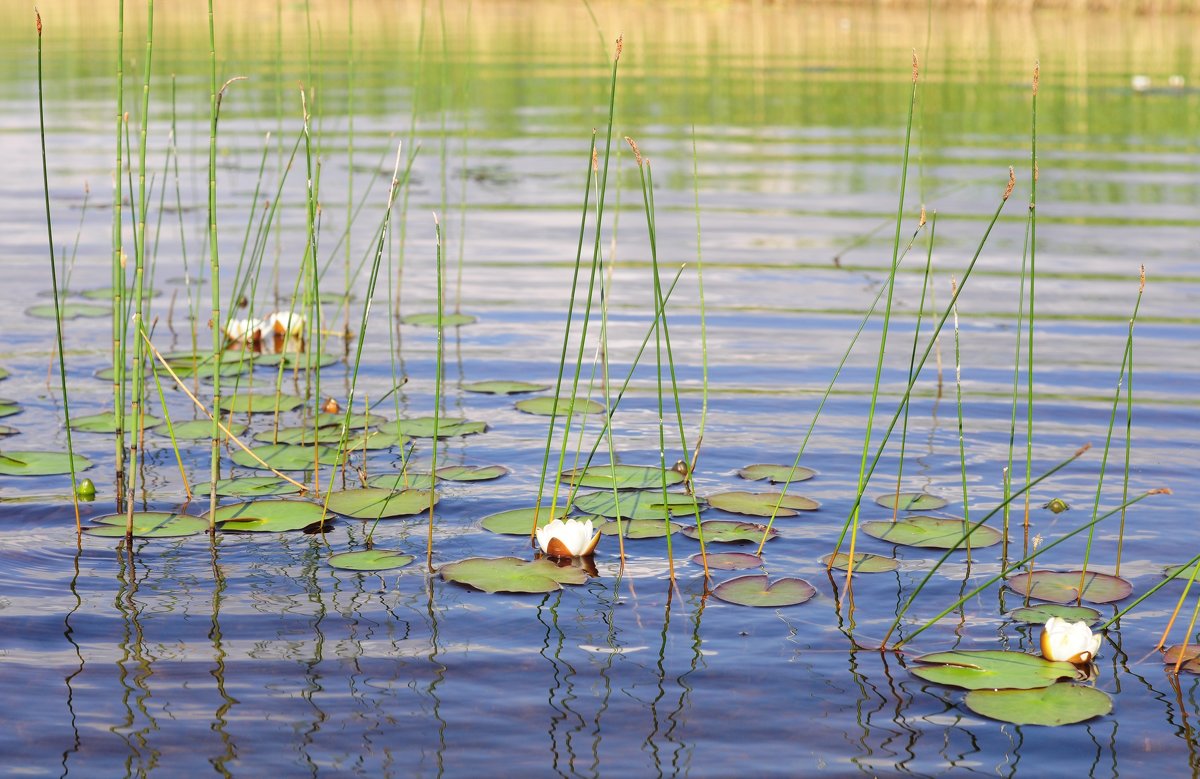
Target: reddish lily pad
(511, 574)
(1063, 586)
(723, 531)
(1058, 704)
(754, 590)
(932, 533)
(776, 474)
(1190, 654)
(911, 501)
(762, 504)
(863, 562)
(729, 561)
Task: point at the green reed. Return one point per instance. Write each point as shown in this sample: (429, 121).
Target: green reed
(218, 337)
(1128, 423)
(1033, 179)
(440, 262)
(118, 271)
(958, 404)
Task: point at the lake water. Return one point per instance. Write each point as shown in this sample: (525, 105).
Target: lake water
(250, 654)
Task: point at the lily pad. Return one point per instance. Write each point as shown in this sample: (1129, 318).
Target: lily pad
(356, 440)
(729, 561)
(1063, 586)
(754, 590)
(250, 487)
(1058, 704)
(431, 320)
(207, 370)
(503, 387)
(200, 429)
(642, 504)
(932, 533)
(401, 481)
(369, 560)
(3, 373)
(249, 403)
(911, 501)
(104, 423)
(286, 457)
(6, 430)
(991, 669)
(471, 472)
(511, 574)
(519, 522)
(1181, 571)
(292, 359)
(448, 427)
(1037, 615)
(863, 562)
(628, 477)
(269, 516)
(723, 531)
(9, 407)
(148, 524)
(106, 293)
(40, 463)
(639, 528)
(546, 407)
(357, 421)
(1191, 657)
(376, 503)
(69, 311)
(776, 474)
(761, 504)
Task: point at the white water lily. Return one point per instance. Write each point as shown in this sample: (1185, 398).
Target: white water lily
(1071, 642)
(285, 323)
(568, 539)
(244, 330)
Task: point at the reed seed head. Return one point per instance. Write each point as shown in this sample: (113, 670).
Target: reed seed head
(38, 14)
(595, 160)
(915, 67)
(637, 153)
(620, 46)
(922, 222)
(1012, 182)
(1037, 75)
(1079, 452)
(1160, 491)
(1142, 280)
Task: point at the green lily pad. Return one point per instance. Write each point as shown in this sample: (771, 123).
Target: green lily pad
(69, 311)
(729, 561)
(357, 421)
(776, 474)
(519, 522)
(723, 531)
(396, 482)
(286, 457)
(503, 387)
(1191, 657)
(369, 560)
(375, 503)
(1063, 586)
(9, 407)
(1181, 571)
(249, 403)
(1058, 704)
(645, 504)
(448, 427)
(753, 590)
(911, 501)
(106, 293)
(471, 472)
(269, 516)
(4, 373)
(292, 359)
(207, 370)
(200, 429)
(639, 528)
(511, 574)
(628, 477)
(431, 320)
(1037, 615)
(355, 441)
(7, 430)
(991, 669)
(104, 423)
(40, 463)
(149, 524)
(761, 504)
(250, 487)
(931, 533)
(863, 562)
(546, 407)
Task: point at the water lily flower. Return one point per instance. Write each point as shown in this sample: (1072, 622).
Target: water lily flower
(1071, 642)
(285, 323)
(244, 330)
(567, 539)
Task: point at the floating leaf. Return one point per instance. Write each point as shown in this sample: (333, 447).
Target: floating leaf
(863, 563)
(6, 430)
(431, 320)
(251, 487)
(639, 528)
(1058, 704)
(519, 522)
(511, 574)
(776, 474)
(401, 481)
(503, 387)
(911, 501)
(357, 421)
(4, 373)
(991, 669)
(932, 533)
(448, 427)
(753, 590)
(1063, 586)
(292, 359)
(269, 516)
(1191, 657)
(628, 477)
(370, 560)
(356, 440)
(723, 531)
(761, 504)
(200, 429)
(106, 293)
(249, 403)
(286, 457)
(646, 504)
(149, 524)
(471, 472)
(729, 561)
(1037, 615)
(104, 423)
(40, 463)
(208, 370)
(69, 311)
(376, 503)
(9, 407)
(546, 406)
(1182, 571)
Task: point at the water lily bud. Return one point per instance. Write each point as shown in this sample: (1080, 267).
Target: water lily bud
(86, 490)
(331, 406)
(568, 539)
(1070, 642)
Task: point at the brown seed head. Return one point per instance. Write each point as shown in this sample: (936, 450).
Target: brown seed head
(595, 161)
(637, 153)
(1012, 182)
(1142, 281)
(1037, 172)
(922, 223)
(915, 68)
(1160, 491)
(1079, 452)
(39, 21)
(620, 46)
(1037, 75)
